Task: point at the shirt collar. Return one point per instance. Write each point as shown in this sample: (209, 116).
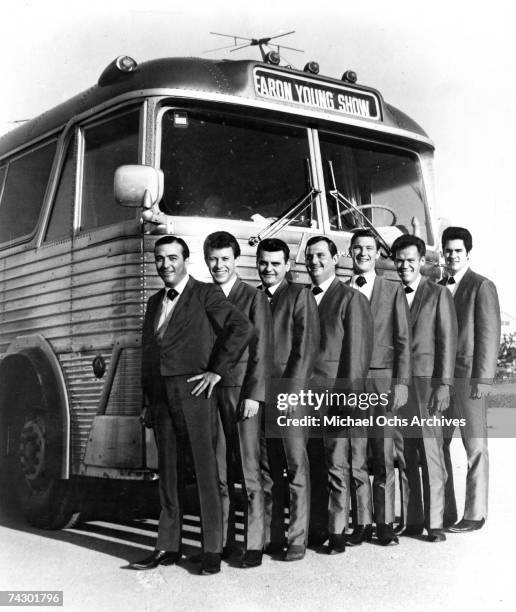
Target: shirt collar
(325, 284)
(272, 289)
(180, 287)
(457, 277)
(369, 276)
(415, 283)
(226, 287)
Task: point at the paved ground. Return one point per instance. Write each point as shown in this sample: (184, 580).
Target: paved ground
(470, 571)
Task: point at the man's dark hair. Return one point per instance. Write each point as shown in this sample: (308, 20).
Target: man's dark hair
(273, 244)
(458, 233)
(171, 240)
(365, 233)
(402, 242)
(221, 240)
(331, 245)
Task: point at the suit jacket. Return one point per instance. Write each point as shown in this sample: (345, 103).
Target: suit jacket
(478, 315)
(392, 337)
(295, 331)
(205, 333)
(346, 336)
(434, 333)
(253, 371)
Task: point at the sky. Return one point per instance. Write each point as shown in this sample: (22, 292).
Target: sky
(448, 64)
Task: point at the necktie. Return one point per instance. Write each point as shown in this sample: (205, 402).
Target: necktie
(450, 280)
(172, 294)
(268, 294)
(316, 290)
(409, 290)
(361, 281)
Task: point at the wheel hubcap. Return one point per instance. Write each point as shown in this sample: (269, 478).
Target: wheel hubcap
(32, 449)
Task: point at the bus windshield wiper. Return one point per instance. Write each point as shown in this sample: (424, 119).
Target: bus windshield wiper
(290, 214)
(353, 209)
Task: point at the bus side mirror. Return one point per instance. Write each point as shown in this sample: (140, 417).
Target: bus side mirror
(138, 186)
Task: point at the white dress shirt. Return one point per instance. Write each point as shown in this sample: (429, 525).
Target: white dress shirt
(271, 290)
(226, 287)
(367, 287)
(413, 285)
(324, 286)
(457, 277)
(167, 306)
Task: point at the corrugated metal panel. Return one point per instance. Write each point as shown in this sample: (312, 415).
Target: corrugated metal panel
(125, 397)
(85, 390)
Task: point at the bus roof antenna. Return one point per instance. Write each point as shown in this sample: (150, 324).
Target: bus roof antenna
(241, 42)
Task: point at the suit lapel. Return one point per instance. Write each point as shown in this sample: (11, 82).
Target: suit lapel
(181, 308)
(235, 290)
(464, 286)
(375, 295)
(276, 295)
(418, 300)
(329, 292)
(157, 306)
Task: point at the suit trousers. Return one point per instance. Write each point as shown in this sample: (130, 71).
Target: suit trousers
(238, 447)
(474, 438)
(422, 446)
(381, 443)
(277, 455)
(180, 418)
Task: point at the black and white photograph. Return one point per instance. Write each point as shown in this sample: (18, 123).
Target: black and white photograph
(257, 323)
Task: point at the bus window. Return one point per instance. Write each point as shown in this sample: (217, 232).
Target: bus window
(24, 191)
(61, 218)
(107, 145)
(385, 183)
(233, 168)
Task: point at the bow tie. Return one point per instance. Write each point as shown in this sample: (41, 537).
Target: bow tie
(450, 280)
(172, 294)
(409, 290)
(316, 290)
(360, 281)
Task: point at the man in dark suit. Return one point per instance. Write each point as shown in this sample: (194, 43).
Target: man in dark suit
(346, 345)
(434, 342)
(296, 345)
(239, 397)
(478, 315)
(389, 371)
(191, 334)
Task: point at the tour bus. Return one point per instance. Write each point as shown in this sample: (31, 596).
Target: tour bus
(179, 146)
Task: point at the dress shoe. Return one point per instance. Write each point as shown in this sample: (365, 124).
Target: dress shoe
(198, 557)
(252, 558)
(412, 530)
(317, 538)
(361, 533)
(449, 522)
(465, 525)
(158, 557)
(336, 544)
(294, 553)
(274, 548)
(210, 563)
(436, 535)
(385, 534)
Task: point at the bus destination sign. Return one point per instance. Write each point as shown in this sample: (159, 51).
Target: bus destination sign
(314, 94)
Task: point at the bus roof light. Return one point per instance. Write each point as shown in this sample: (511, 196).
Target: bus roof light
(119, 68)
(350, 76)
(312, 67)
(273, 57)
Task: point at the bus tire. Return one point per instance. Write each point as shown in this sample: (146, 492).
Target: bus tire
(32, 446)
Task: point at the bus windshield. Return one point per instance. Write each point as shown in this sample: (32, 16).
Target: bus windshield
(384, 183)
(218, 166)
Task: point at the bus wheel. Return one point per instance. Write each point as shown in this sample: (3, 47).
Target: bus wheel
(31, 458)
